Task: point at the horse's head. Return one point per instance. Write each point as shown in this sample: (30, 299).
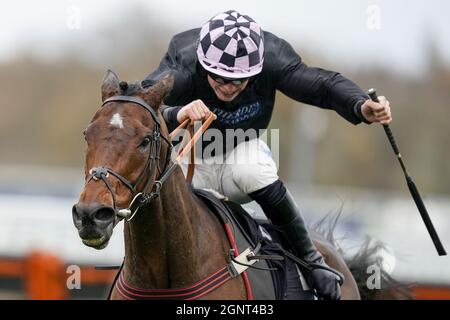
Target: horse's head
(126, 151)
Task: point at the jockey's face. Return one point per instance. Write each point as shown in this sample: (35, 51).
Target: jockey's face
(227, 91)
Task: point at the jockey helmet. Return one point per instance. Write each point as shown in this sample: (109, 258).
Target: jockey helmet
(231, 45)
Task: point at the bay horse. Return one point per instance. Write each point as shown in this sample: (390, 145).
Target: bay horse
(172, 241)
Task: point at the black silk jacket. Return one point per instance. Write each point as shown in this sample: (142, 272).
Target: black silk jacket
(283, 70)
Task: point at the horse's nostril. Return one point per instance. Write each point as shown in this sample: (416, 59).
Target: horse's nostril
(104, 214)
(75, 213)
(77, 216)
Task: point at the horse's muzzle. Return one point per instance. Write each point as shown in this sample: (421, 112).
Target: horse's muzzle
(94, 223)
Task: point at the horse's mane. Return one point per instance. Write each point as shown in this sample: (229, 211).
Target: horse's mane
(154, 93)
(130, 89)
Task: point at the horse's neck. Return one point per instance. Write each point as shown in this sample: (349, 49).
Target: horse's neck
(174, 242)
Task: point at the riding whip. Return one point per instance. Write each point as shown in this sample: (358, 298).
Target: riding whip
(411, 185)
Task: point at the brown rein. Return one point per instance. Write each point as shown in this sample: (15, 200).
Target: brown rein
(190, 145)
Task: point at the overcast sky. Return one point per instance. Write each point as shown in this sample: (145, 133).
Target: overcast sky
(355, 32)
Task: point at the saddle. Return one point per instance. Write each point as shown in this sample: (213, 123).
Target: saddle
(274, 276)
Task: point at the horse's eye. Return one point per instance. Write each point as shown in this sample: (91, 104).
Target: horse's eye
(145, 142)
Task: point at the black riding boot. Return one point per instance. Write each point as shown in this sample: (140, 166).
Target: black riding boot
(281, 209)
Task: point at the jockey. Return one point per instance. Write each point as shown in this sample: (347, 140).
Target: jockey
(233, 68)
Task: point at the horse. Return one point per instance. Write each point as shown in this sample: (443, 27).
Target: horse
(172, 240)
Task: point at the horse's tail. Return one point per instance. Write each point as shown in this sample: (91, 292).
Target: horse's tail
(367, 258)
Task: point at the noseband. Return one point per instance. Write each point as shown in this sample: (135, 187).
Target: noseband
(147, 194)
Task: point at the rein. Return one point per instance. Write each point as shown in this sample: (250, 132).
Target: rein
(147, 194)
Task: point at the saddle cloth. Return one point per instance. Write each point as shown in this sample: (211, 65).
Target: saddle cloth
(284, 283)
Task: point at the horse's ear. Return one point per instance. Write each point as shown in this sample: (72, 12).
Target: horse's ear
(110, 85)
(155, 94)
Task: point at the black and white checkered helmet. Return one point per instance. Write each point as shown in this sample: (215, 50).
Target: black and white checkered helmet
(231, 45)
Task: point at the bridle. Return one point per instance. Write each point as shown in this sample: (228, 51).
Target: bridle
(147, 194)
(151, 190)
